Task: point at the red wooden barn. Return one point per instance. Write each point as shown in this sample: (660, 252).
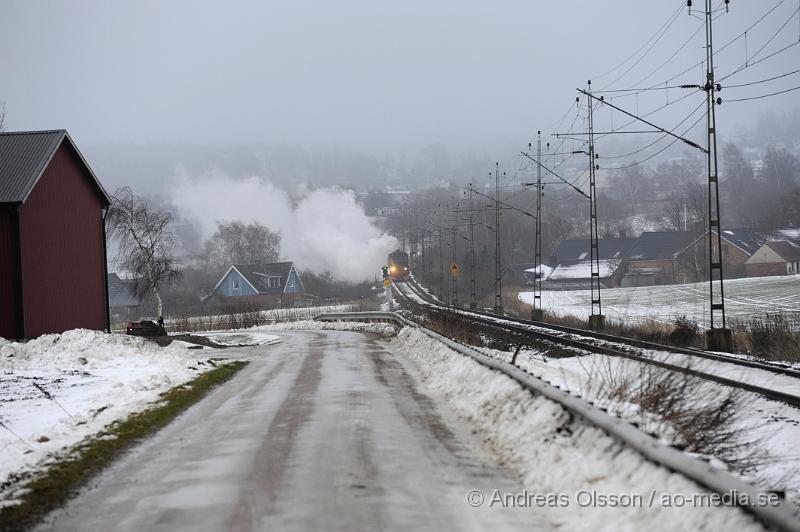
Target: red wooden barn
(52, 237)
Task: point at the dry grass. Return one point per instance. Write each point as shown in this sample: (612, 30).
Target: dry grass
(691, 414)
(774, 336)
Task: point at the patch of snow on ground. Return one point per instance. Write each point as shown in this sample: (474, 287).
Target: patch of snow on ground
(552, 453)
(383, 329)
(240, 337)
(95, 378)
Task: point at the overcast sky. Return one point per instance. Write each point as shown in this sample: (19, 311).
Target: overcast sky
(368, 75)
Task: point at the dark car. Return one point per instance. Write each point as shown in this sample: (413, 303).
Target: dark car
(145, 328)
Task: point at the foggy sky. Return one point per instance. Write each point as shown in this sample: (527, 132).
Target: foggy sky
(368, 75)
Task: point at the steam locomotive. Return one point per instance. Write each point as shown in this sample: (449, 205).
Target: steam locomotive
(398, 265)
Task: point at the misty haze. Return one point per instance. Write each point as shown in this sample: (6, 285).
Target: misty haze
(375, 265)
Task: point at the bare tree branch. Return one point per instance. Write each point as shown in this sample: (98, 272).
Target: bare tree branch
(144, 242)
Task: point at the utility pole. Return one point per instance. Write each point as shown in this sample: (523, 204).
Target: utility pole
(454, 290)
(596, 319)
(441, 267)
(472, 301)
(498, 282)
(718, 337)
(537, 313)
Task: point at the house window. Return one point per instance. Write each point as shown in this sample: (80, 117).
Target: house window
(234, 284)
(291, 282)
(273, 282)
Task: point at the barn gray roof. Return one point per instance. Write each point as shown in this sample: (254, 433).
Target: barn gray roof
(24, 155)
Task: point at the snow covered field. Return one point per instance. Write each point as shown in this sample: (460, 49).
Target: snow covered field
(744, 298)
(554, 454)
(93, 378)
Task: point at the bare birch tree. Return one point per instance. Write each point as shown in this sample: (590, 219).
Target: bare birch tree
(2, 117)
(144, 242)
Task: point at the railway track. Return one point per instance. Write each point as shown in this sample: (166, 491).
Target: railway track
(611, 345)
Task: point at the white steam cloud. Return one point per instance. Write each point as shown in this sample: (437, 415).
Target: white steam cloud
(326, 230)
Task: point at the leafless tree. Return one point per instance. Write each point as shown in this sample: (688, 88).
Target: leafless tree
(144, 241)
(2, 117)
(239, 243)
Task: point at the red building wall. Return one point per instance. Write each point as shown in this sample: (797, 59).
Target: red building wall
(61, 234)
(8, 275)
(764, 269)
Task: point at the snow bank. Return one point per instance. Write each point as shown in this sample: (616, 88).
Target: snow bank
(553, 453)
(93, 378)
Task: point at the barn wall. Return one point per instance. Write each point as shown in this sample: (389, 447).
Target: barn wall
(62, 250)
(9, 320)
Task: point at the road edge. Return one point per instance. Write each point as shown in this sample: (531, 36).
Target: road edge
(45, 491)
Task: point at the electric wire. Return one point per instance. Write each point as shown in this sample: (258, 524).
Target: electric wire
(604, 74)
(763, 95)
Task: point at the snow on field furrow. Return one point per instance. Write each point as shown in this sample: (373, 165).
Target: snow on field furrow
(552, 453)
(744, 298)
(773, 426)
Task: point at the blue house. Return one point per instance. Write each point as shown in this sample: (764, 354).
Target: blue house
(277, 284)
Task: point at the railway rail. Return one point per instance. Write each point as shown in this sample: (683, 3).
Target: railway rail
(611, 345)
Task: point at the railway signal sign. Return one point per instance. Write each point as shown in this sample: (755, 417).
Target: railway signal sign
(387, 282)
(454, 269)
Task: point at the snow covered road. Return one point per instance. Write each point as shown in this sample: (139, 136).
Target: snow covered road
(325, 430)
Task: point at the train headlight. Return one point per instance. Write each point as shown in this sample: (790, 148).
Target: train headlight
(392, 269)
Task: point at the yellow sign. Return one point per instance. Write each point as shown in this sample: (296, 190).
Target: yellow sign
(454, 269)
(387, 282)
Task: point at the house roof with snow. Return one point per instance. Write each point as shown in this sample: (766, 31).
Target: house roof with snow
(789, 251)
(583, 270)
(750, 240)
(578, 249)
(661, 245)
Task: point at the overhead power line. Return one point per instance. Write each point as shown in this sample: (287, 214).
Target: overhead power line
(761, 80)
(762, 95)
(642, 47)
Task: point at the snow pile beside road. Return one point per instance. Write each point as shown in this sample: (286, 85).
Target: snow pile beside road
(554, 453)
(383, 329)
(92, 379)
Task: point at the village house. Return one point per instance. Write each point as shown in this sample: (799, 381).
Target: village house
(52, 237)
(271, 285)
(776, 257)
(123, 304)
(571, 267)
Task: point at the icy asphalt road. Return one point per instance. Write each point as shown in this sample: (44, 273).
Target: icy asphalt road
(323, 431)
